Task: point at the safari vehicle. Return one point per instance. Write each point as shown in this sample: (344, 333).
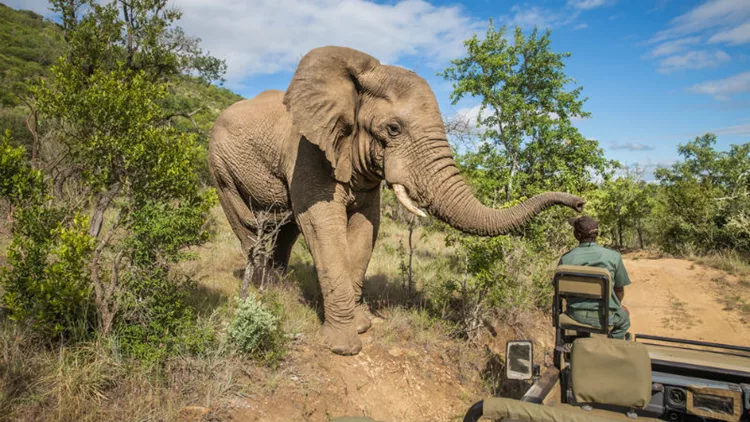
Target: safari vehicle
(595, 377)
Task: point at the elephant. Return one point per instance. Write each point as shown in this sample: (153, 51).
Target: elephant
(319, 152)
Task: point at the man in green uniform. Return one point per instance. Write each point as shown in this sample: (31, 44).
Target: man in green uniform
(588, 253)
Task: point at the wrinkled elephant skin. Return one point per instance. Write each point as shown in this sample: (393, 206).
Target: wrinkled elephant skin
(321, 149)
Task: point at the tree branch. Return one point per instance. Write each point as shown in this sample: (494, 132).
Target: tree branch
(188, 116)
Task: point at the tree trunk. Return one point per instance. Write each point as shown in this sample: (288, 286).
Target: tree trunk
(639, 229)
(102, 204)
(619, 229)
(410, 273)
(509, 185)
(34, 129)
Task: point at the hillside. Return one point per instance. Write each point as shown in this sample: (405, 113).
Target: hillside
(30, 44)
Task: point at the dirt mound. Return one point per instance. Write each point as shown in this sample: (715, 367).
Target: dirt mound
(678, 298)
(386, 381)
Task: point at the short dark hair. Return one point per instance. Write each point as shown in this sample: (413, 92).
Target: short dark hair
(585, 228)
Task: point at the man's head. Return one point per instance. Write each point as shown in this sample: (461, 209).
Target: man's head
(585, 228)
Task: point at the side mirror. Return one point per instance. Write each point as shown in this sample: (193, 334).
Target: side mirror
(519, 360)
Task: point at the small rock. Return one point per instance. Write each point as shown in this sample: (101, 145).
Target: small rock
(396, 352)
(194, 412)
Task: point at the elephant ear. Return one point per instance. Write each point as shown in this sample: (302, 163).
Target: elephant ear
(323, 98)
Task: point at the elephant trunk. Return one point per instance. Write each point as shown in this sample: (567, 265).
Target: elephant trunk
(453, 202)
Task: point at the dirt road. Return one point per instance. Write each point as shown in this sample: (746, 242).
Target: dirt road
(677, 298)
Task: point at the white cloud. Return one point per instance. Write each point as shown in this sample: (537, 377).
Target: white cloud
(723, 88)
(743, 130)
(470, 114)
(734, 36)
(717, 21)
(693, 60)
(674, 46)
(587, 4)
(527, 17)
(630, 146)
(710, 15)
(268, 36)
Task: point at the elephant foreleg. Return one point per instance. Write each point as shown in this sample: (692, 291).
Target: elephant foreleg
(324, 225)
(362, 232)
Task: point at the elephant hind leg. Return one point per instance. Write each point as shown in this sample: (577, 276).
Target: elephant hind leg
(239, 215)
(284, 244)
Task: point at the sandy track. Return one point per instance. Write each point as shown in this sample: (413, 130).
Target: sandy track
(677, 298)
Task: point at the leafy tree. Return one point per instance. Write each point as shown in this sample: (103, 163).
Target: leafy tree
(527, 144)
(622, 205)
(704, 198)
(527, 140)
(108, 100)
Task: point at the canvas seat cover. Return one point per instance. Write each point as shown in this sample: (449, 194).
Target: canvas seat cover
(567, 322)
(611, 372)
(581, 279)
(498, 408)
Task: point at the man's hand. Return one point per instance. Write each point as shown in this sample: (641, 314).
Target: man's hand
(627, 311)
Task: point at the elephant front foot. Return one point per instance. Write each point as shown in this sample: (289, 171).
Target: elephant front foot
(342, 340)
(362, 320)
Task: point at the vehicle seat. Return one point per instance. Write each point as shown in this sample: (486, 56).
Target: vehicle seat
(581, 282)
(611, 372)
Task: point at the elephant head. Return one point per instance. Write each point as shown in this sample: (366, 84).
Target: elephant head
(376, 122)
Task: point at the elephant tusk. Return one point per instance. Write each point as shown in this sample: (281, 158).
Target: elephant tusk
(404, 199)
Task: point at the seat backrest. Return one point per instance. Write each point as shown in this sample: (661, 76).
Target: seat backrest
(610, 372)
(583, 281)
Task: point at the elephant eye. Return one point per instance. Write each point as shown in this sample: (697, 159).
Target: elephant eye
(394, 129)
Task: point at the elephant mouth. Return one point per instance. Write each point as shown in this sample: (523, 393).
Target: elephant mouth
(403, 198)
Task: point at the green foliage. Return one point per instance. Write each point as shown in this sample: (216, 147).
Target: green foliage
(527, 142)
(112, 96)
(256, 330)
(46, 281)
(622, 205)
(19, 183)
(704, 199)
(47, 284)
(156, 321)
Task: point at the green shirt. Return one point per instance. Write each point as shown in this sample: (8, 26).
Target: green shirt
(592, 255)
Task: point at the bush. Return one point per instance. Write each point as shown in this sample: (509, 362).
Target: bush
(156, 320)
(46, 282)
(256, 330)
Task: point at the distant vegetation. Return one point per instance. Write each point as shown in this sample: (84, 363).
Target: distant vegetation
(114, 269)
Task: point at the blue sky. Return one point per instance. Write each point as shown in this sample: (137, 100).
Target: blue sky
(657, 73)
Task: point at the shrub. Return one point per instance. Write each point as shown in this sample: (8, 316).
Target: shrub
(256, 330)
(156, 320)
(46, 282)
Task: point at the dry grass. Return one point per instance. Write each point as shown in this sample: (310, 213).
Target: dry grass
(730, 261)
(91, 382)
